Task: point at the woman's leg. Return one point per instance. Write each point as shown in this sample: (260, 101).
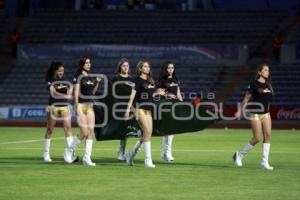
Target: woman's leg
(50, 126)
(69, 138)
(147, 131)
(121, 152)
(90, 118)
(267, 126)
(129, 156)
(256, 131)
(167, 148)
(148, 127)
(256, 126)
(69, 154)
(66, 115)
(145, 121)
(83, 126)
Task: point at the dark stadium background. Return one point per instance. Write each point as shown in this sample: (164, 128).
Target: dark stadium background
(215, 45)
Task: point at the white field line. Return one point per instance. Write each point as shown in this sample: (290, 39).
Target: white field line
(28, 141)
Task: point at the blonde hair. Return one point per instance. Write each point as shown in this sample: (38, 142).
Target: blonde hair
(139, 70)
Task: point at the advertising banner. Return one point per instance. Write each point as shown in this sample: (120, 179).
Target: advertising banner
(204, 53)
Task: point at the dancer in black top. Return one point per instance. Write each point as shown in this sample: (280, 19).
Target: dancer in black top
(58, 107)
(169, 83)
(123, 77)
(123, 71)
(85, 87)
(141, 97)
(261, 92)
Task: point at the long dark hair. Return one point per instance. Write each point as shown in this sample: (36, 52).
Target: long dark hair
(139, 70)
(120, 63)
(54, 66)
(164, 73)
(268, 80)
(81, 63)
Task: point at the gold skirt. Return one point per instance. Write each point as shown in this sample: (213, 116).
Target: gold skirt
(58, 111)
(85, 108)
(255, 116)
(139, 112)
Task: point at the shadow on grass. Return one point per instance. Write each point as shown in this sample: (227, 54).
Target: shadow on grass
(56, 160)
(193, 164)
(106, 161)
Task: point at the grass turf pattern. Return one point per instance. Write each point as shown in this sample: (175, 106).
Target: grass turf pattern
(203, 168)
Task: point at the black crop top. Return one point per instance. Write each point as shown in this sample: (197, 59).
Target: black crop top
(144, 91)
(61, 86)
(170, 84)
(87, 85)
(262, 94)
(121, 78)
(119, 88)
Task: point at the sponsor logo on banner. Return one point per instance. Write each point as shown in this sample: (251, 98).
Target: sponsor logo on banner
(24, 112)
(16, 112)
(4, 112)
(292, 114)
(28, 113)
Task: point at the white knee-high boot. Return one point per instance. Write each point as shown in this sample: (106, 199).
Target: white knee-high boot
(132, 153)
(265, 157)
(69, 153)
(69, 141)
(121, 153)
(167, 148)
(239, 155)
(148, 157)
(47, 144)
(86, 160)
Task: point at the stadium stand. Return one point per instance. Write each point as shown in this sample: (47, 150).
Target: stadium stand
(286, 84)
(26, 86)
(106, 27)
(63, 26)
(294, 36)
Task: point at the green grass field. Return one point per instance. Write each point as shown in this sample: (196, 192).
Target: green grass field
(203, 169)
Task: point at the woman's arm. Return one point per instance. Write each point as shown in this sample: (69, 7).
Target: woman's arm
(130, 102)
(98, 79)
(76, 95)
(159, 91)
(70, 90)
(242, 105)
(54, 93)
(179, 97)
